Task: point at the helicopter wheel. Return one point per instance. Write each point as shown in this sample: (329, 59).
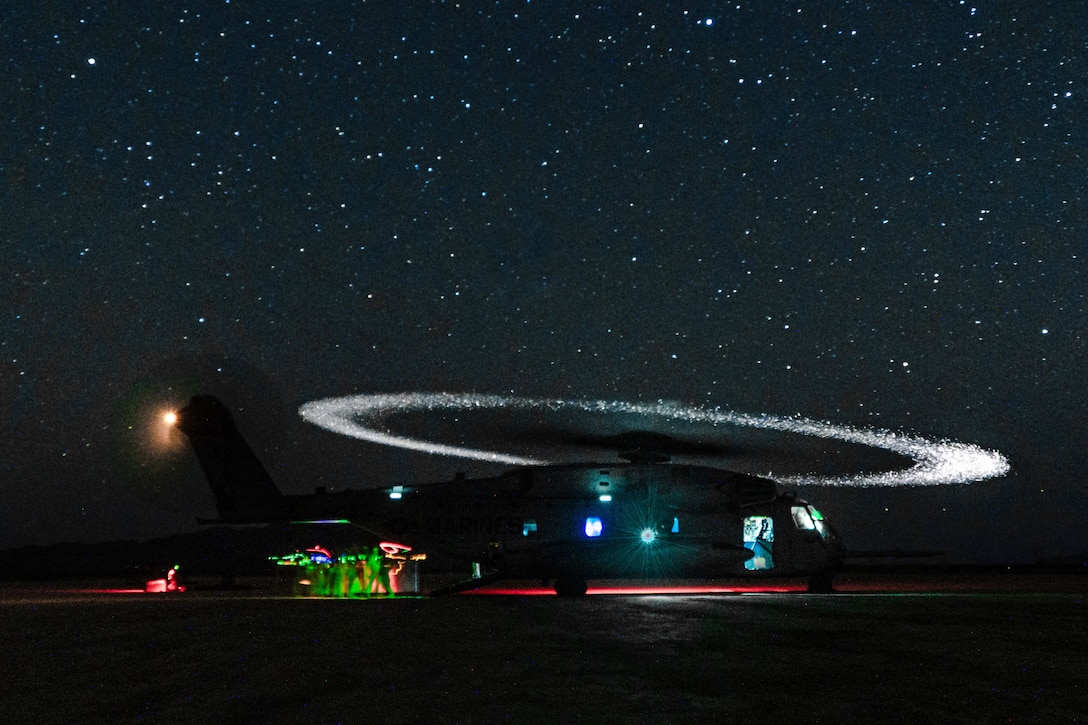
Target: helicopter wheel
(822, 583)
(570, 587)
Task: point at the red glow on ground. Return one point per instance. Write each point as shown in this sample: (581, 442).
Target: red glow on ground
(161, 586)
(154, 586)
(538, 591)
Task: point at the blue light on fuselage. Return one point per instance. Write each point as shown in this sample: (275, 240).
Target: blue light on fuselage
(594, 527)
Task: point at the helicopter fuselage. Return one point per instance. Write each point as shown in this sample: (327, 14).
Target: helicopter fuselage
(647, 519)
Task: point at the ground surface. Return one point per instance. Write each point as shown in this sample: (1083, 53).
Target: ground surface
(978, 651)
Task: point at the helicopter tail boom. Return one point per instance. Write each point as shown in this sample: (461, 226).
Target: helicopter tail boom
(240, 483)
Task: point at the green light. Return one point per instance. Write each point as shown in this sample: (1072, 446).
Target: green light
(322, 521)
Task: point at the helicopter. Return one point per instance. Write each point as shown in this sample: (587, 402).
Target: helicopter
(643, 517)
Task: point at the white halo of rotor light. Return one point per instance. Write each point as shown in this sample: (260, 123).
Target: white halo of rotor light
(936, 462)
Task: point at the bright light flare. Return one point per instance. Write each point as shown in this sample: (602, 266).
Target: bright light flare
(935, 462)
(162, 432)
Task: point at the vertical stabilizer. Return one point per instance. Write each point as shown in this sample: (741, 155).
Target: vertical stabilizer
(240, 483)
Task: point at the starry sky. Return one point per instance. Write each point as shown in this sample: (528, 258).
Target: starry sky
(866, 213)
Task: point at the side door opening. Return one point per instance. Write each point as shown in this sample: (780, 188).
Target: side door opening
(759, 537)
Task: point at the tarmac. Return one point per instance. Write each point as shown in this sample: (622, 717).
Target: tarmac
(883, 649)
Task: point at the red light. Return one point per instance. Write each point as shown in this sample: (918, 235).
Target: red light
(641, 589)
(393, 548)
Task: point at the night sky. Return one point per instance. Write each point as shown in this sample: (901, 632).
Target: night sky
(865, 213)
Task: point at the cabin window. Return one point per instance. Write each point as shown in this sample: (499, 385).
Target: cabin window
(759, 538)
(528, 527)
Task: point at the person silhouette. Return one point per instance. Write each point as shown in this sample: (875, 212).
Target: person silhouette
(374, 569)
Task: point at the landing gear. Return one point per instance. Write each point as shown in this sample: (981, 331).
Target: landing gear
(570, 587)
(822, 583)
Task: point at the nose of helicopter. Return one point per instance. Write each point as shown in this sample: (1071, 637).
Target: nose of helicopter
(836, 551)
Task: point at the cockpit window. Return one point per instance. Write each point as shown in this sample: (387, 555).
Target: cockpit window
(818, 521)
(802, 519)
